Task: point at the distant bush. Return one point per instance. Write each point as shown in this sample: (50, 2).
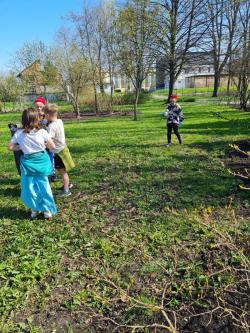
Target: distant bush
(128, 98)
(87, 102)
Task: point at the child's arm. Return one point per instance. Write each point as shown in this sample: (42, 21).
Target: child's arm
(181, 116)
(48, 140)
(13, 146)
(50, 144)
(52, 131)
(165, 113)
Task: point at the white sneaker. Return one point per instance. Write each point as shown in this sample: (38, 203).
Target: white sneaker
(168, 144)
(47, 214)
(33, 214)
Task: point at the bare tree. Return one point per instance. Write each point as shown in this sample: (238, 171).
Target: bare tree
(28, 54)
(135, 32)
(223, 17)
(183, 24)
(91, 45)
(10, 88)
(107, 33)
(36, 54)
(73, 70)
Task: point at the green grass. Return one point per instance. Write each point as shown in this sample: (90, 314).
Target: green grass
(141, 216)
(191, 91)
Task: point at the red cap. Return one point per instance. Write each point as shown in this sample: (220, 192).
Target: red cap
(174, 96)
(40, 100)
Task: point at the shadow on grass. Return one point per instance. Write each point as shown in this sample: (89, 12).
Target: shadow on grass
(10, 187)
(181, 182)
(85, 149)
(11, 192)
(219, 128)
(215, 146)
(14, 214)
(9, 181)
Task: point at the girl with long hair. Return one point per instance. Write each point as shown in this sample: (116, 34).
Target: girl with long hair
(35, 164)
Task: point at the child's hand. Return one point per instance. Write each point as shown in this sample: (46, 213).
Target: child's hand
(13, 147)
(50, 144)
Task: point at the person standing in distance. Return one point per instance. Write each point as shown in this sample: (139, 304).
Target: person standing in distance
(174, 117)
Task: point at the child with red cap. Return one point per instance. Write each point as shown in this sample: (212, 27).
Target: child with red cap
(174, 117)
(40, 103)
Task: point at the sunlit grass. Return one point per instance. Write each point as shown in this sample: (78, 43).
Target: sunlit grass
(134, 202)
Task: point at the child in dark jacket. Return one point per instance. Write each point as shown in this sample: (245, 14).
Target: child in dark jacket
(174, 117)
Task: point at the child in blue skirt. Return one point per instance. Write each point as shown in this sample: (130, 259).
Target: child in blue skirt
(35, 164)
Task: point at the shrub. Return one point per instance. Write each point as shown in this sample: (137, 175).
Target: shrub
(128, 98)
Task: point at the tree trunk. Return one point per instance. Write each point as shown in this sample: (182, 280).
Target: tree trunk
(96, 99)
(101, 81)
(171, 80)
(137, 93)
(216, 84)
(74, 103)
(111, 79)
(228, 84)
(239, 84)
(244, 94)
(102, 88)
(76, 110)
(111, 95)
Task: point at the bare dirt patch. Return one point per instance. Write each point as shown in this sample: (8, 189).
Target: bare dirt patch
(90, 115)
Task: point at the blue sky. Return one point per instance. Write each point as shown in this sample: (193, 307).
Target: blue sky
(28, 20)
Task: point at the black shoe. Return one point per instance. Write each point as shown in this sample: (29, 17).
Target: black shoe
(54, 178)
(62, 188)
(63, 194)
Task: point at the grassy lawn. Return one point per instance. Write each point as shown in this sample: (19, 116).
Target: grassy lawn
(150, 235)
(198, 90)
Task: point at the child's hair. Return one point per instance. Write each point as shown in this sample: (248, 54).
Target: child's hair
(30, 120)
(50, 109)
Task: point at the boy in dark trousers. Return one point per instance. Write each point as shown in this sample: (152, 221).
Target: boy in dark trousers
(174, 117)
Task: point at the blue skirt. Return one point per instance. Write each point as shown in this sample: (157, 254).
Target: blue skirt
(36, 193)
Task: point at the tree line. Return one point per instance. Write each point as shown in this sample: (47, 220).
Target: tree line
(132, 38)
